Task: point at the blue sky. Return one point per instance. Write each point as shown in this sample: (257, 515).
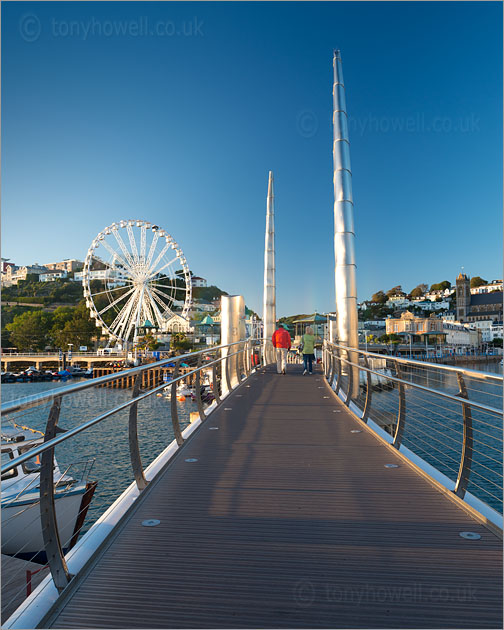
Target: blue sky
(175, 113)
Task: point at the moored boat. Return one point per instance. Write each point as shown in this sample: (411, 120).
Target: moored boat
(21, 524)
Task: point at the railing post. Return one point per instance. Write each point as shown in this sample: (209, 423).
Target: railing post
(237, 365)
(136, 460)
(50, 534)
(199, 402)
(247, 358)
(332, 364)
(369, 390)
(350, 379)
(339, 370)
(228, 378)
(467, 447)
(401, 414)
(215, 382)
(174, 411)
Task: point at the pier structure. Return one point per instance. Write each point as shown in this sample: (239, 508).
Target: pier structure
(284, 502)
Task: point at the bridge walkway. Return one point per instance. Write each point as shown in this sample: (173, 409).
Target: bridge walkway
(289, 519)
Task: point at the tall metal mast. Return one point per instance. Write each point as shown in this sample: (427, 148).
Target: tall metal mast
(269, 297)
(344, 234)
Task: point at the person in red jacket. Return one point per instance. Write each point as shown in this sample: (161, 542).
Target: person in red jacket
(282, 343)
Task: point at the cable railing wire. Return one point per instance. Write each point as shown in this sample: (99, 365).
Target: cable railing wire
(449, 413)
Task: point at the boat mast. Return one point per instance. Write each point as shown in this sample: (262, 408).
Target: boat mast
(269, 296)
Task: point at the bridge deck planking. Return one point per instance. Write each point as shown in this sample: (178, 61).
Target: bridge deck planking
(288, 519)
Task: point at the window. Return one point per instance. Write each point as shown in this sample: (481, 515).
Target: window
(6, 457)
(31, 465)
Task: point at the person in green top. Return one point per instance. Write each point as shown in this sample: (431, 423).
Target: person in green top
(308, 341)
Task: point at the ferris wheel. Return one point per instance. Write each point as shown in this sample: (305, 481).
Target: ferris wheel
(135, 275)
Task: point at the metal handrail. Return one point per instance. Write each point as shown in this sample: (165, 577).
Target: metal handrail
(335, 353)
(38, 450)
(52, 543)
(430, 390)
(47, 397)
(438, 366)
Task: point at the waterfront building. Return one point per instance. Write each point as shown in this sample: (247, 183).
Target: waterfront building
(478, 306)
(462, 337)
(485, 326)
(418, 326)
(178, 324)
(496, 331)
(435, 330)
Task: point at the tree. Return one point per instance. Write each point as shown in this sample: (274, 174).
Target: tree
(149, 342)
(441, 286)
(79, 330)
(379, 297)
(395, 291)
(419, 290)
(371, 338)
(180, 343)
(30, 331)
(393, 338)
(383, 338)
(477, 281)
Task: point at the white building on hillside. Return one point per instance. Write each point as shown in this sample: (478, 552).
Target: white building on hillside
(114, 278)
(432, 306)
(397, 302)
(434, 295)
(495, 285)
(14, 274)
(197, 281)
(51, 276)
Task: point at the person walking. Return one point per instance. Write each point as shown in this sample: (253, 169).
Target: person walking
(308, 341)
(282, 343)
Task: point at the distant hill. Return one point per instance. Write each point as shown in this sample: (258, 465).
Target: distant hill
(207, 293)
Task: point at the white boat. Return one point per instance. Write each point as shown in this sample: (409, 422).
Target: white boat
(183, 390)
(21, 525)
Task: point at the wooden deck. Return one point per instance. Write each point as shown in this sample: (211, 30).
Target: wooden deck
(288, 519)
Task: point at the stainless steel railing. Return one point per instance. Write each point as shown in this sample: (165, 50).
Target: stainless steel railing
(216, 359)
(449, 417)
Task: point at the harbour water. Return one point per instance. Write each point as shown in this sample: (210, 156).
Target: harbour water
(107, 442)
